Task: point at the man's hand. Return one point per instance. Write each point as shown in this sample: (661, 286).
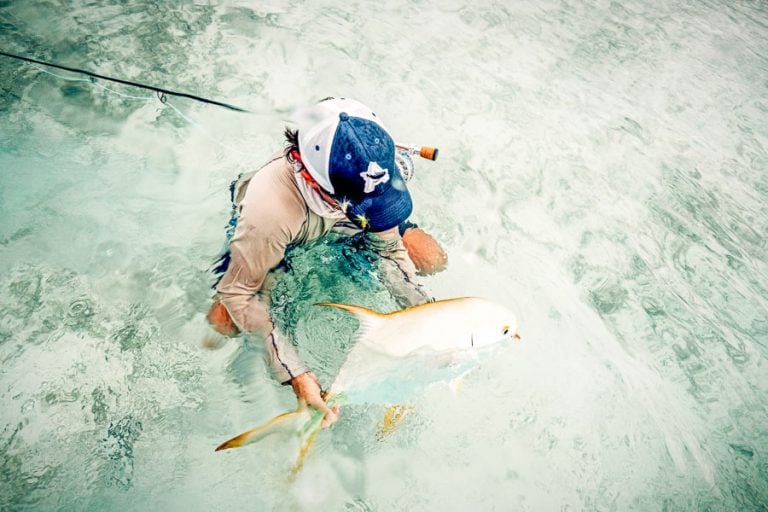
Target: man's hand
(307, 389)
(424, 251)
(219, 318)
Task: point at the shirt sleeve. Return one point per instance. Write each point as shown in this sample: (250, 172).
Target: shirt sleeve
(397, 270)
(263, 232)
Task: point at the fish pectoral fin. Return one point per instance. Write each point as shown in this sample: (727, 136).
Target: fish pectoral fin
(289, 422)
(456, 384)
(393, 417)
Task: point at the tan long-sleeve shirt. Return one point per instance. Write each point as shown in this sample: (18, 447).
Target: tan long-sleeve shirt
(272, 213)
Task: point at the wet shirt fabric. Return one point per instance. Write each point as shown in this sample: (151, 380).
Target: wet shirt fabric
(273, 213)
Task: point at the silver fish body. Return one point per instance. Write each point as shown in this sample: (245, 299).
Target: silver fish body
(411, 348)
(396, 354)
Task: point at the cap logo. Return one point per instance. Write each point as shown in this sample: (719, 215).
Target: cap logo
(373, 176)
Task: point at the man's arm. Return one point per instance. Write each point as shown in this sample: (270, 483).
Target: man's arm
(241, 293)
(397, 269)
(240, 307)
(284, 360)
(219, 318)
(426, 254)
(268, 215)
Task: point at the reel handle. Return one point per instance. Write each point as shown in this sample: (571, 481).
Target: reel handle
(427, 152)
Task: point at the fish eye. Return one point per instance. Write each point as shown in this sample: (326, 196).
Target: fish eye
(505, 330)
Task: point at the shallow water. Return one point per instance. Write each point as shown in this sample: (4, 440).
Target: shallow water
(602, 171)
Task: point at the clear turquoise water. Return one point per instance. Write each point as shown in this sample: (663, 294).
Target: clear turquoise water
(602, 171)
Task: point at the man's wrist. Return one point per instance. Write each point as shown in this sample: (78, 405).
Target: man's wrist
(298, 376)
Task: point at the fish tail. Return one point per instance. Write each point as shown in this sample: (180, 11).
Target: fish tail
(286, 422)
(303, 452)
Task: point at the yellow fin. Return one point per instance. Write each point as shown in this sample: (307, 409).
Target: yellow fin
(456, 384)
(393, 417)
(303, 452)
(286, 422)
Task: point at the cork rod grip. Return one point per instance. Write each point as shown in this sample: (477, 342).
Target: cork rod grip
(423, 151)
(428, 153)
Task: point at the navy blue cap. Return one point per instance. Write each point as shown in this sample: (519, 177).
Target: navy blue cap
(352, 156)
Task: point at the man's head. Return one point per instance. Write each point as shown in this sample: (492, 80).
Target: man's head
(350, 155)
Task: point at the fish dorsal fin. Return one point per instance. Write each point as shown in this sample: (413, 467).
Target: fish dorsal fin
(369, 319)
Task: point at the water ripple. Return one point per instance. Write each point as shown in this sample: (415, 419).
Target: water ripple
(601, 163)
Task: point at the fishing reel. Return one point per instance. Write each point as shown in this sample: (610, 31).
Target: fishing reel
(404, 160)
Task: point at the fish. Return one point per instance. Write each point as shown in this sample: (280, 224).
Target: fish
(395, 355)
(406, 351)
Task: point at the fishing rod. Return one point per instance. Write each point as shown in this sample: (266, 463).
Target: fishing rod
(158, 90)
(405, 150)
(426, 152)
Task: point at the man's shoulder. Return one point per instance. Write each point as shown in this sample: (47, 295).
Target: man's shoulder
(271, 169)
(274, 170)
(275, 178)
(272, 196)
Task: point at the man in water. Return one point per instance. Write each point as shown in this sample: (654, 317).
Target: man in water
(338, 173)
